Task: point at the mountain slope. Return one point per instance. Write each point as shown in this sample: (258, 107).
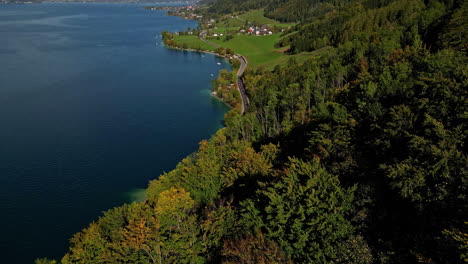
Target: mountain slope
(355, 156)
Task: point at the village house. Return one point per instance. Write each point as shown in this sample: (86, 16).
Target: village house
(257, 31)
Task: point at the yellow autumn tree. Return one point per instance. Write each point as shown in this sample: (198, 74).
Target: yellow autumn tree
(173, 205)
(244, 162)
(178, 227)
(137, 235)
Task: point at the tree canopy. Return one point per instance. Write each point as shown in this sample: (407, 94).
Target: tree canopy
(354, 156)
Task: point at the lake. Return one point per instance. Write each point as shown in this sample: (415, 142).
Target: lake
(92, 107)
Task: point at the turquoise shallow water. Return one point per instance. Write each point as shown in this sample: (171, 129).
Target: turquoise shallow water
(92, 107)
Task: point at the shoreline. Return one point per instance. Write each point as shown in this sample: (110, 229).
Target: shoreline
(213, 93)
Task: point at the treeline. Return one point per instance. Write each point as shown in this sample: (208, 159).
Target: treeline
(284, 11)
(400, 23)
(357, 156)
(230, 6)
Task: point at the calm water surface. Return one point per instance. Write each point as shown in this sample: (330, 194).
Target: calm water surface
(92, 107)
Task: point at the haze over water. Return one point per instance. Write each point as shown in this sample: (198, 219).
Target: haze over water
(92, 107)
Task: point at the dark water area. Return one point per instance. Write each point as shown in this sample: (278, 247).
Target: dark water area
(92, 107)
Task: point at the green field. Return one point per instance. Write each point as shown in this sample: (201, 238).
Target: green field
(300, 57)
(260, 51)
(193, 42)
(225, 30)
(253, 16)
(257, 17)
(228, 22)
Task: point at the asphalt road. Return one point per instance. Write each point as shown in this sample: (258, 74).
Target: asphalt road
(240, 73)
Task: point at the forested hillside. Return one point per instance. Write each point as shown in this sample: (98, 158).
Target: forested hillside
(282, 10)
(355, 156)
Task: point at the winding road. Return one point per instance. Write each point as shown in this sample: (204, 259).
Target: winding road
(240, 73)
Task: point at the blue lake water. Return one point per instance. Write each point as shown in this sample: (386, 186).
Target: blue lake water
(92, 107)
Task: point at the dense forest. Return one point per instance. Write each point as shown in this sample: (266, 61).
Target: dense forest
(356, 156)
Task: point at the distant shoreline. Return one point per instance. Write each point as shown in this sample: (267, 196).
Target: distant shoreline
(116, 2)
(168, 4)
